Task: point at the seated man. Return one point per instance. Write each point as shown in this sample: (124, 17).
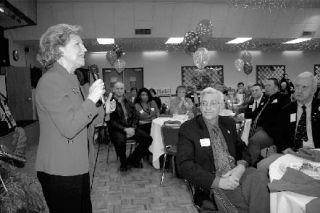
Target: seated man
(298, 121)
(123, 124)
(211, 155)
(263, 128)
(256, 103)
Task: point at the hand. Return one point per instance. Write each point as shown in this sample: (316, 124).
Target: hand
(110, 106)
(228, 182)
(288, 151)
(238, 171)
(96, 91)
(129, 132)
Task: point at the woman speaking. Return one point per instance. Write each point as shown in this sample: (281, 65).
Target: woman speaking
(62, 162)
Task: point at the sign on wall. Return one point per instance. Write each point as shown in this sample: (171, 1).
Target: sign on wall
(317, 71)
(211, 74)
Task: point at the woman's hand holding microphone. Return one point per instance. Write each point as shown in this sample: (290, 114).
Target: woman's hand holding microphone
(96, 92)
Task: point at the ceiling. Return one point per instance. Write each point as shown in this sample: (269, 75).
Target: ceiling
(269, 22)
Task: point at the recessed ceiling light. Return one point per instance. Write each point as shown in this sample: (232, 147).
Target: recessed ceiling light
(105, 40)
(1, 10)
(239, 40)
(174, 40)
(297, 40)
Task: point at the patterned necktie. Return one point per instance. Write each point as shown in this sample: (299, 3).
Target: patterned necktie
(301, 132)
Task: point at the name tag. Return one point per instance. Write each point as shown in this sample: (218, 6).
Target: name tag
(204, 142)
(152, 109)
(293, 117)
(275, 101)
(141, 111)
(250, 106)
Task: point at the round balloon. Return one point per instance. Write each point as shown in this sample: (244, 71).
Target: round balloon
(119, 65)
(246, 56)
(118, 50)
(111, 57)
(205, 29)
(239, 63)
(247, 68)
(201, 58)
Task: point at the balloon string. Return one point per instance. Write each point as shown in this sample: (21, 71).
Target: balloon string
(4, 186)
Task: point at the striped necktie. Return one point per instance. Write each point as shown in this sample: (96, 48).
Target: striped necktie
(301, 131)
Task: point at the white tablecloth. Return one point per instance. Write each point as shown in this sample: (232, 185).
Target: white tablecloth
(157, 148)
(286, 202)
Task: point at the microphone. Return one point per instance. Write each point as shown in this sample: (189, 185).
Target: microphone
(102, 100)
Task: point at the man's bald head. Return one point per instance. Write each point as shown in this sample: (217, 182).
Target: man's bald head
(305, 86)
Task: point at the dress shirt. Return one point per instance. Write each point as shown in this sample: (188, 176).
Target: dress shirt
(258, 103)
(308, 143)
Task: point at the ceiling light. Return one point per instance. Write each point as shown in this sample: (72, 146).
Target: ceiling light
(1, 10)
(174, 40)
(105, 40)
(297, 40)
(239, 40)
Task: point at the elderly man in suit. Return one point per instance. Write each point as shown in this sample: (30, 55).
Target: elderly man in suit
(211, 155)
(298, 121)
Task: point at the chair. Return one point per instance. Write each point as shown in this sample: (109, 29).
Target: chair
(223, 205)
(169, 131)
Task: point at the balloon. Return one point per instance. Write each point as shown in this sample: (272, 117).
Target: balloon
(201, 58)
(119, 65)
(118, 50)
(111, 57)
(239, 63)
(205, 29)
(191, 41)
(246, 56)
(247, 68)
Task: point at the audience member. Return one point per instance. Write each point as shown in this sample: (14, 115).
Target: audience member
(263, 129)
(155, 98)
(180, 104)
(211, 155)
(133, 94)
(62, 162)
(146, 108)
(192, 94)
(298, 121)
(240, 87)
(256, 103)
(123, 124)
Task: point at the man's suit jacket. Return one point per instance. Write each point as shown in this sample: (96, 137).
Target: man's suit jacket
(117, 120)
(195, 162)
(268, 117)
(63, 119)
(249, 114)
(287, 128)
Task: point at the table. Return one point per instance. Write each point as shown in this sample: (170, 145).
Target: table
(282, 202)
(157, 147)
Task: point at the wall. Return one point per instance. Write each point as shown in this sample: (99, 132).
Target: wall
(163, 69)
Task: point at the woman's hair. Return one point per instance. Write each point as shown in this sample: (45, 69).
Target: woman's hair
(138, 99)
(181, 87)
(153, 91)
(56, 36)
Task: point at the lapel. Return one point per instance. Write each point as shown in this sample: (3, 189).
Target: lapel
(315, 121)
(292, 112)
(226, 130)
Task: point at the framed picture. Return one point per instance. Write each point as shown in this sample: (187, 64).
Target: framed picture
(192, 76)
(269, 71)
(317, 71)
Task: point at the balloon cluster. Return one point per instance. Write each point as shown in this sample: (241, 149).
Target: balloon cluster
(193, 40)
(114, 57)
(244, 63)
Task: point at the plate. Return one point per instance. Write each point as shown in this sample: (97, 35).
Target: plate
(307, 168)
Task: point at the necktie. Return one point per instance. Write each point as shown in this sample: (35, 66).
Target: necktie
(301, 132)
(255, 106)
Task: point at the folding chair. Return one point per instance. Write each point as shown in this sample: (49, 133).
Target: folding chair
(223, 205)
(169, 131)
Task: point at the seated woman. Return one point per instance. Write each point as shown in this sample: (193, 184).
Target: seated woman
(180, 104)
(146, 108)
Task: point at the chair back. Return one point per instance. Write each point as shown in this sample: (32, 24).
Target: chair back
(170, 131)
